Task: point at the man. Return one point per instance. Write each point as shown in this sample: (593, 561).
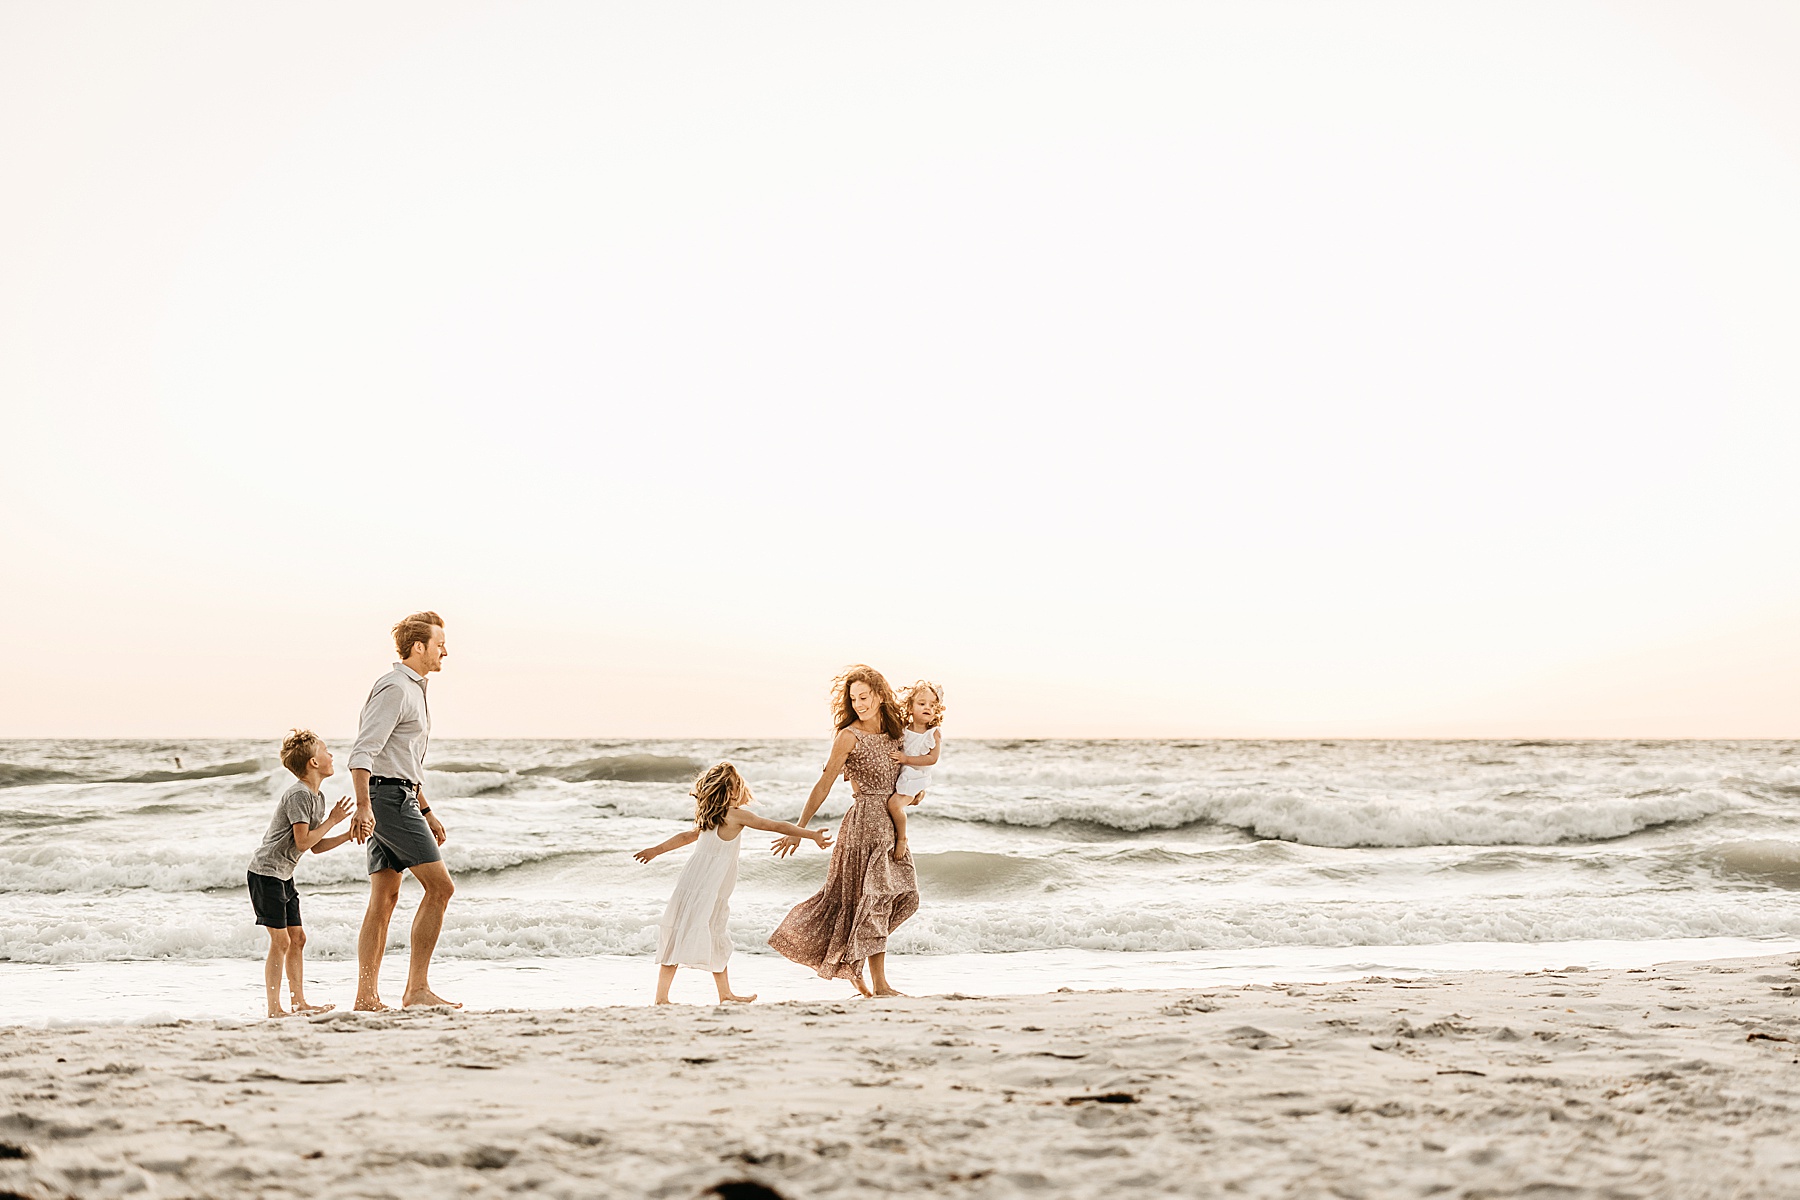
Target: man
(387, 770)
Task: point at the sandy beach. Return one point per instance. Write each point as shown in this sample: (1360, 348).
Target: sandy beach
(1680, 1080)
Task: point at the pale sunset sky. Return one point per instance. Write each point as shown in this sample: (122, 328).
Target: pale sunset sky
(1136, 369)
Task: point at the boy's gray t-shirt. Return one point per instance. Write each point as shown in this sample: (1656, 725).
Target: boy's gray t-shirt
(278, 855)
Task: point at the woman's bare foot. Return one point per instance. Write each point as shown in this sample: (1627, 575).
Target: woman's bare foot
(861, 987)
(734, 998)
(885, 990)
(426, 998)
(660, 1003)
(303, 1007)
(369, 1004)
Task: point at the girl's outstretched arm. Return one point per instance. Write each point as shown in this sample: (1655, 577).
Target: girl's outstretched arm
(738, 816)
(834, 766)
(675, 843)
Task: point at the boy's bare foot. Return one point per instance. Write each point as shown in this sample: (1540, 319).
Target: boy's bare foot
(303, 1007)
(369, 1004)
(426, 998)
(734, 998)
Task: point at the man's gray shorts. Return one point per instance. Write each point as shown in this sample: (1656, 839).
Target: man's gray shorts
(402, 838)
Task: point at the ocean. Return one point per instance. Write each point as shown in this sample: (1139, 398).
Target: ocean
(1041, 864)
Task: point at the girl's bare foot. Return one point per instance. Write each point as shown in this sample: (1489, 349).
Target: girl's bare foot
(734, 998)
(901, 852)
(426, 998)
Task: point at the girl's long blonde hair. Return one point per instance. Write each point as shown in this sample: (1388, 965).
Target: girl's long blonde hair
(713, 793)
(937, 697)
(892, 719)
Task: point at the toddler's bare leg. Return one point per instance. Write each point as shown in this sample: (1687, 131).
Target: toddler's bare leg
(278, 952)
(896, 806)
(726, 995)
(665, 975)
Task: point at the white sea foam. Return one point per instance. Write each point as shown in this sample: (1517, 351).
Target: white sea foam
(1113, 847)
(1339, 820)
(500, 929)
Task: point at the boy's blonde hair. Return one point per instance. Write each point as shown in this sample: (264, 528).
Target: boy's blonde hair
(937, 695)
(297, 750)
(713, 793)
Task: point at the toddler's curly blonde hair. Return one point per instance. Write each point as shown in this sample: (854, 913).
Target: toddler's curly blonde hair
(937, 697)
(713, 793)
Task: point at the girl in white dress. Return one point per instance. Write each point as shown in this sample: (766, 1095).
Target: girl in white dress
(692, 932)
(920, 742)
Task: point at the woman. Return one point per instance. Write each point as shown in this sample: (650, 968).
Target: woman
(866, 894)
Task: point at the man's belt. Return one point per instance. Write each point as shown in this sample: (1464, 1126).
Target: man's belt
(393, 782)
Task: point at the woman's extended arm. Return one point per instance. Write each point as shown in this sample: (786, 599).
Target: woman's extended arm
(834, 766)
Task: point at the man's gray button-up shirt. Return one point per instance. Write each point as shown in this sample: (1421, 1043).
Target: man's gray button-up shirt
(395, 727)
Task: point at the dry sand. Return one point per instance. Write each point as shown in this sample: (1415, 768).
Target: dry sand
(1683, 1080)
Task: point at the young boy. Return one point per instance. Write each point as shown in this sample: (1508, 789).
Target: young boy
(299, 825)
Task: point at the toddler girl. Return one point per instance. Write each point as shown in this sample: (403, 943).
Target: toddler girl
(692, 932)
(920, 742)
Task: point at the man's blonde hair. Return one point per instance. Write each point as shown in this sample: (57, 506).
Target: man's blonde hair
(297, 750)
(414, 629)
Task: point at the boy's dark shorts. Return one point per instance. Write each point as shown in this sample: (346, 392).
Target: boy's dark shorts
(402, 838)
(276, 901)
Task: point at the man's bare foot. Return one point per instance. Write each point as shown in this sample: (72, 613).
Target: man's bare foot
(301, 1006)
(426, 998)
(369, 1004)
(734, 998)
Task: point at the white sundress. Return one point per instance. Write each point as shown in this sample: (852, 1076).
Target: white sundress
(914, 780)
(692, 932)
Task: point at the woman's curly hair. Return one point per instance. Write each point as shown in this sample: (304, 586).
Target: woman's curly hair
(713, 793)
(892, 719)
(937, 696)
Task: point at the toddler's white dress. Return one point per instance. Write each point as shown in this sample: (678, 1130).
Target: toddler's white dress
(914, 780)
(692, 932)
